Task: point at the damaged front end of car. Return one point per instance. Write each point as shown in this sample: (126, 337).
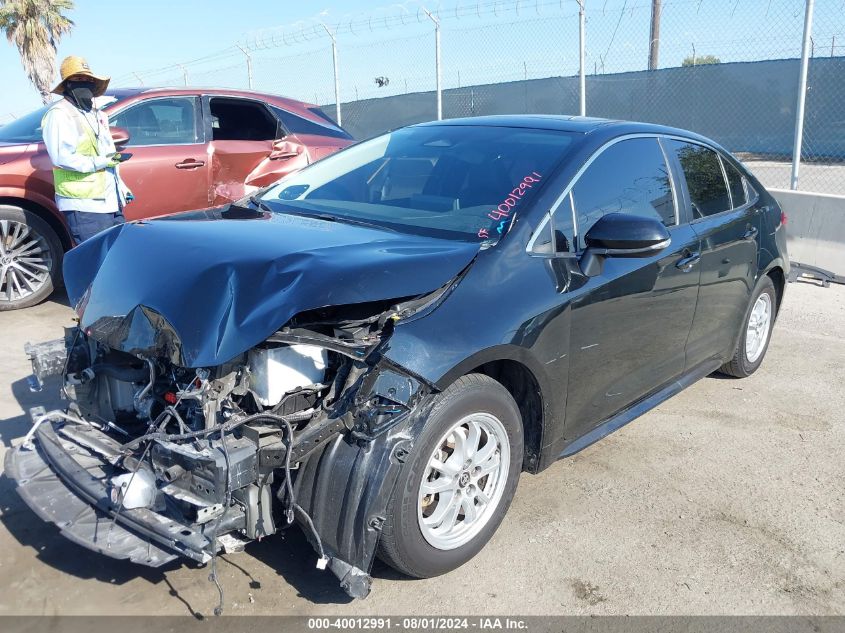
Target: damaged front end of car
(151, 460)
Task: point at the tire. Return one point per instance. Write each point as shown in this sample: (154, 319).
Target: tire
(411, 541)
(30, 259)
(754, 339)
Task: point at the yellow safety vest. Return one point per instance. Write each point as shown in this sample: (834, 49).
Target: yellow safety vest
(74, 184)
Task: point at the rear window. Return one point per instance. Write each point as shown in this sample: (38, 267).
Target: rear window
(296, 124)
(707, 190)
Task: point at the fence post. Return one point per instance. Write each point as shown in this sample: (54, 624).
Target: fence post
(439, 87)
(582, 75)
(184, 73)
(336, 68)
(802, 95)
(248, 65)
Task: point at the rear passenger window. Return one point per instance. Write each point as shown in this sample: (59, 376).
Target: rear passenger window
(735, 184)
(628, 177)
(705, 181)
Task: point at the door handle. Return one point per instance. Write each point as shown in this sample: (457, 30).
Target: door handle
(190, 164)
(685, 264)
(750, 234)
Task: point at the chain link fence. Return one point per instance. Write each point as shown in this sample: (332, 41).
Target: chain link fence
(728, 69)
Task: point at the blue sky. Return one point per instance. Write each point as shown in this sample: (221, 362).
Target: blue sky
(539, 40)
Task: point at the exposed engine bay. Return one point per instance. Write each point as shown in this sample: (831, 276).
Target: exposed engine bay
(183, 461)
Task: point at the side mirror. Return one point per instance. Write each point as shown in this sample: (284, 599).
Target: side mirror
(120, 136)
(622, 235)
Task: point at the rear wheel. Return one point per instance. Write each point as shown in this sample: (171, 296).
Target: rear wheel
(756, 332)
(458, 481)
(30, 258)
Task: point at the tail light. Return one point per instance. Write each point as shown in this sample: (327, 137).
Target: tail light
(783, 218)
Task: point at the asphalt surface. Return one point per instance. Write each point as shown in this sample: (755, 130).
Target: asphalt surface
(727, 499)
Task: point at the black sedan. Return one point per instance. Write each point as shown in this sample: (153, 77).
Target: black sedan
(378, 345)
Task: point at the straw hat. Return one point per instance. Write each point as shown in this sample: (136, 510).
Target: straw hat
(74, 65)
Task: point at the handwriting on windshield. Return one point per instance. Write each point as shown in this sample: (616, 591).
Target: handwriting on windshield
(503, 211)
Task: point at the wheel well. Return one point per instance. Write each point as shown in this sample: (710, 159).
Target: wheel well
(779, 281)
(44, 214)
(523, 386)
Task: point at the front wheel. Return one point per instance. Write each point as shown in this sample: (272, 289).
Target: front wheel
(30, 258)
(458, 480)
(756, 332)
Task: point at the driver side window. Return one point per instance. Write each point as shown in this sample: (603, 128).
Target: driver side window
(630, 177)
(170, 121)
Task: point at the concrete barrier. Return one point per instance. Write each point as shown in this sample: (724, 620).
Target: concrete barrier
(815, 230)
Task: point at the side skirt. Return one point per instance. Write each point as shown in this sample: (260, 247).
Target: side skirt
(642, 406)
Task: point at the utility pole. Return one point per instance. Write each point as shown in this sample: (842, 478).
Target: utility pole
(654, 39)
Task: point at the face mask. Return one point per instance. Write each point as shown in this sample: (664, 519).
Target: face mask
(82, 93)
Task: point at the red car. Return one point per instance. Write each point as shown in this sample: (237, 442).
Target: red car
(191, 149)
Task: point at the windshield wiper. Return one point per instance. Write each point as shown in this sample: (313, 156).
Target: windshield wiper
(328, 217)
(258, 202)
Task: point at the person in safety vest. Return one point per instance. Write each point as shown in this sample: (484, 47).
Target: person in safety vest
(89, 190)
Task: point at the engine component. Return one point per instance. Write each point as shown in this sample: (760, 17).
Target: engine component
(205, 471)
(280, 370)
(133, 490)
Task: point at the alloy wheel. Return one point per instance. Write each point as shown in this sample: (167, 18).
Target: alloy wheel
(463, 481)
(759, 323)
(25, 261)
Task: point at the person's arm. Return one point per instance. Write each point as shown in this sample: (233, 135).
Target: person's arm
(61, 138)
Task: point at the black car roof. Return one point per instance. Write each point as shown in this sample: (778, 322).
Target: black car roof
(565, 123)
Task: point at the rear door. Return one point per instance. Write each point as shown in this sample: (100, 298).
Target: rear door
(168, 171)
(728, 226)
(249, 147)
(629, 325)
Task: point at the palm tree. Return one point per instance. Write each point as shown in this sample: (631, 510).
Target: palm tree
(35, 27)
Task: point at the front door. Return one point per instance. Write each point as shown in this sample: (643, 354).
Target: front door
(168, 170)
(629, 324)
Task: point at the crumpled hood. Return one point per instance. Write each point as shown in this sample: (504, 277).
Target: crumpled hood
(202, 287)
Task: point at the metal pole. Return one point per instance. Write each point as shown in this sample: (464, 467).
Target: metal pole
(248, 65)
(693, 54)
(336, 68)
(802, 95)
(582, 74)
(439, 85)
(654, 42)
(184, 73)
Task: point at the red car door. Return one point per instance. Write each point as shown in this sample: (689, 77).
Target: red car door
(169, 168)
(248, 148)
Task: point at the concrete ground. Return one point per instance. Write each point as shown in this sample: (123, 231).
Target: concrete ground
(727, 499)
(815, 177)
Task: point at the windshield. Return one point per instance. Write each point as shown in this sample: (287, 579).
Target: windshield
(27, 129)
(446, 181)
